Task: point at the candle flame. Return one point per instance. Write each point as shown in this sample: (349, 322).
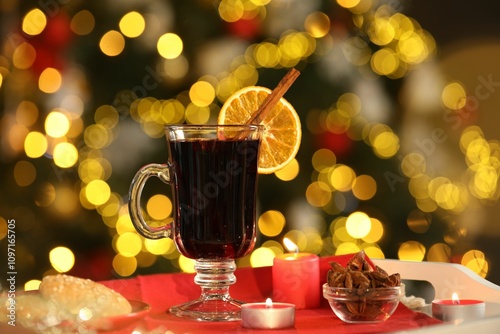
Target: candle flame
(269, 303)
(290, 245)
(455, 299)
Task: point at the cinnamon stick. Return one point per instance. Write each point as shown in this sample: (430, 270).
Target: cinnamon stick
(274, 97)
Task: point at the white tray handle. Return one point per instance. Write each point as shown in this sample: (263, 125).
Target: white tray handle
(446, 278)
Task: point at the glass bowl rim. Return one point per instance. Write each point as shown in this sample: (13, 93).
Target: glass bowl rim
(399, 289)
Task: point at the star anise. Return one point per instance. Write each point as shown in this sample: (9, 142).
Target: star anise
(359, 274)
(358, 262)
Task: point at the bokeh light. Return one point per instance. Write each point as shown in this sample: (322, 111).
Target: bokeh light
(317, 24)
(65, 155)
(160, 246)
(202, 93)
(24, 56)
(97, 192)
(289, 172)
(170, 46)
(83, 22)
(454, 96)
(35, 144)
(50, 80)
(358, 224)
(62, 259)
(323, 158)
(159, 207)
(123, 265)
(262, 257)
(271, 223)
(128, 244)
(112, 43)
(439, 252)
(476, 261)
(364, 187)
(32, 285)
(24, 173)
(27, 113)
(411, 251)
(186, 265)
(348, 3)
(132, 24)
(34, 22)
(57, 124)
(375, 233)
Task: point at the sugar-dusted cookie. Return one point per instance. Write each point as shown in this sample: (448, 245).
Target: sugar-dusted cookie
(83, 298)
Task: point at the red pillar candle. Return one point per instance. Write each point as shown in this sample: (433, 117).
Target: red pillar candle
(296, 280)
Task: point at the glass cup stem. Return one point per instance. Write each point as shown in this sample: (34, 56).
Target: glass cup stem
(215, 303)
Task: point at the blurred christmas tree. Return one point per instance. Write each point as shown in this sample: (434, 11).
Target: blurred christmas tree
(86, 89)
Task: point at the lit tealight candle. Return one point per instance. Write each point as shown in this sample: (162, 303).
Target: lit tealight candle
(296, 279)
(268, 315)
(457, 310)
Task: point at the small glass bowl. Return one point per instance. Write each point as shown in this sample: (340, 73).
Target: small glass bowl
(363, 305)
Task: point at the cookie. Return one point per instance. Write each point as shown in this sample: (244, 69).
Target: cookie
(83, 298)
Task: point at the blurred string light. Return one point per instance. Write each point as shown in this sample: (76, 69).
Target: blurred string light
(170, 46)
(132, 24)
(82, 23)
(34, 22)
(62, 259)
(32, 285)
(112, 43)
(335, 188)
(50, 80)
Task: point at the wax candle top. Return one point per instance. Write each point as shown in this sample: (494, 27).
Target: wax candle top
(457, 301)
(268, 305)
(276, 306)
(451, 302)
(296, 256)
(294, 251)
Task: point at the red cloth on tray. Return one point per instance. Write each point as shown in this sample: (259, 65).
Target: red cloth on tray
(161, 291)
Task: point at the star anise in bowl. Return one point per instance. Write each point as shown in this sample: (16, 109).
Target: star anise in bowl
(362, 293)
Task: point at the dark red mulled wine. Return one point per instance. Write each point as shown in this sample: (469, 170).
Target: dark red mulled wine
(215, 182)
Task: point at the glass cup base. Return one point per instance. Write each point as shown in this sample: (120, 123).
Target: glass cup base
(214, 309)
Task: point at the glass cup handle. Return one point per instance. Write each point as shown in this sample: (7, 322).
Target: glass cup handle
(160, 171)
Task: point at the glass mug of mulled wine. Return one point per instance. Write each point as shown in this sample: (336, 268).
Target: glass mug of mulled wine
(212, 170)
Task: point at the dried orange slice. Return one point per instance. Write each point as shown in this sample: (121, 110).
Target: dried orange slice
(282, 131)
